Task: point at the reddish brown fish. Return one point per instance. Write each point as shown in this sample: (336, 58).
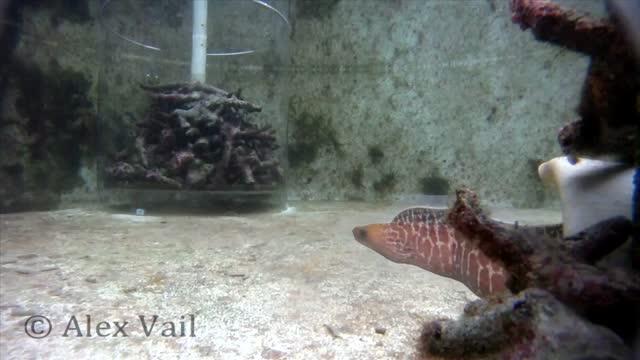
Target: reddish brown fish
(422, 237)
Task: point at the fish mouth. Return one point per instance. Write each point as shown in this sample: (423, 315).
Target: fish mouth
(360, 234)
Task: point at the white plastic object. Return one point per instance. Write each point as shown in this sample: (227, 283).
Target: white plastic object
(199, 45)
(590, 191)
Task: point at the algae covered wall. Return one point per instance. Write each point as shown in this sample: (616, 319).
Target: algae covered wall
(385, 97)
(417, 96)
(47, 108)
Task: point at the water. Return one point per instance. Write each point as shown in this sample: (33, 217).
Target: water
(143, 216)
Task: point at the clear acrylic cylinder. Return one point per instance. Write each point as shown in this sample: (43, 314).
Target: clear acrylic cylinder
(193, 102)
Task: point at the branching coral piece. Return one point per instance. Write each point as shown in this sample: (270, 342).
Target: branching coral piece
(551, 22)
(562, 268)
(197, 136)
(597, 241)
(559, 295)
(609, 116)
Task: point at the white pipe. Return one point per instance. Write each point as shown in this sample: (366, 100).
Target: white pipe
(199, 46)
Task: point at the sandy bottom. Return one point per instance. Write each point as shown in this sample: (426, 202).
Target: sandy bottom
(272, 285)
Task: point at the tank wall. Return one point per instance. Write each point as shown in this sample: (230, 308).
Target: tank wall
(414, 91)
(397, 96)
(48, 110)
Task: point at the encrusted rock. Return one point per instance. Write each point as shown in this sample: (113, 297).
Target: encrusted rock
(531, 325)
(198, 123)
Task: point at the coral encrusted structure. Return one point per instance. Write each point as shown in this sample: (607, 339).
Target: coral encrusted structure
(543, 273)
(199, 137)
(609, 112)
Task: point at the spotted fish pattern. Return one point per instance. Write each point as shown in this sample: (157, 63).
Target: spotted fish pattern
(422, 237)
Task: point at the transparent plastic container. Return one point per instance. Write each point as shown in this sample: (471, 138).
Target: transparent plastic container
(168, 138)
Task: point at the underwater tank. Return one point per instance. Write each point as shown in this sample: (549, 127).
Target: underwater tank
(319, 179)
